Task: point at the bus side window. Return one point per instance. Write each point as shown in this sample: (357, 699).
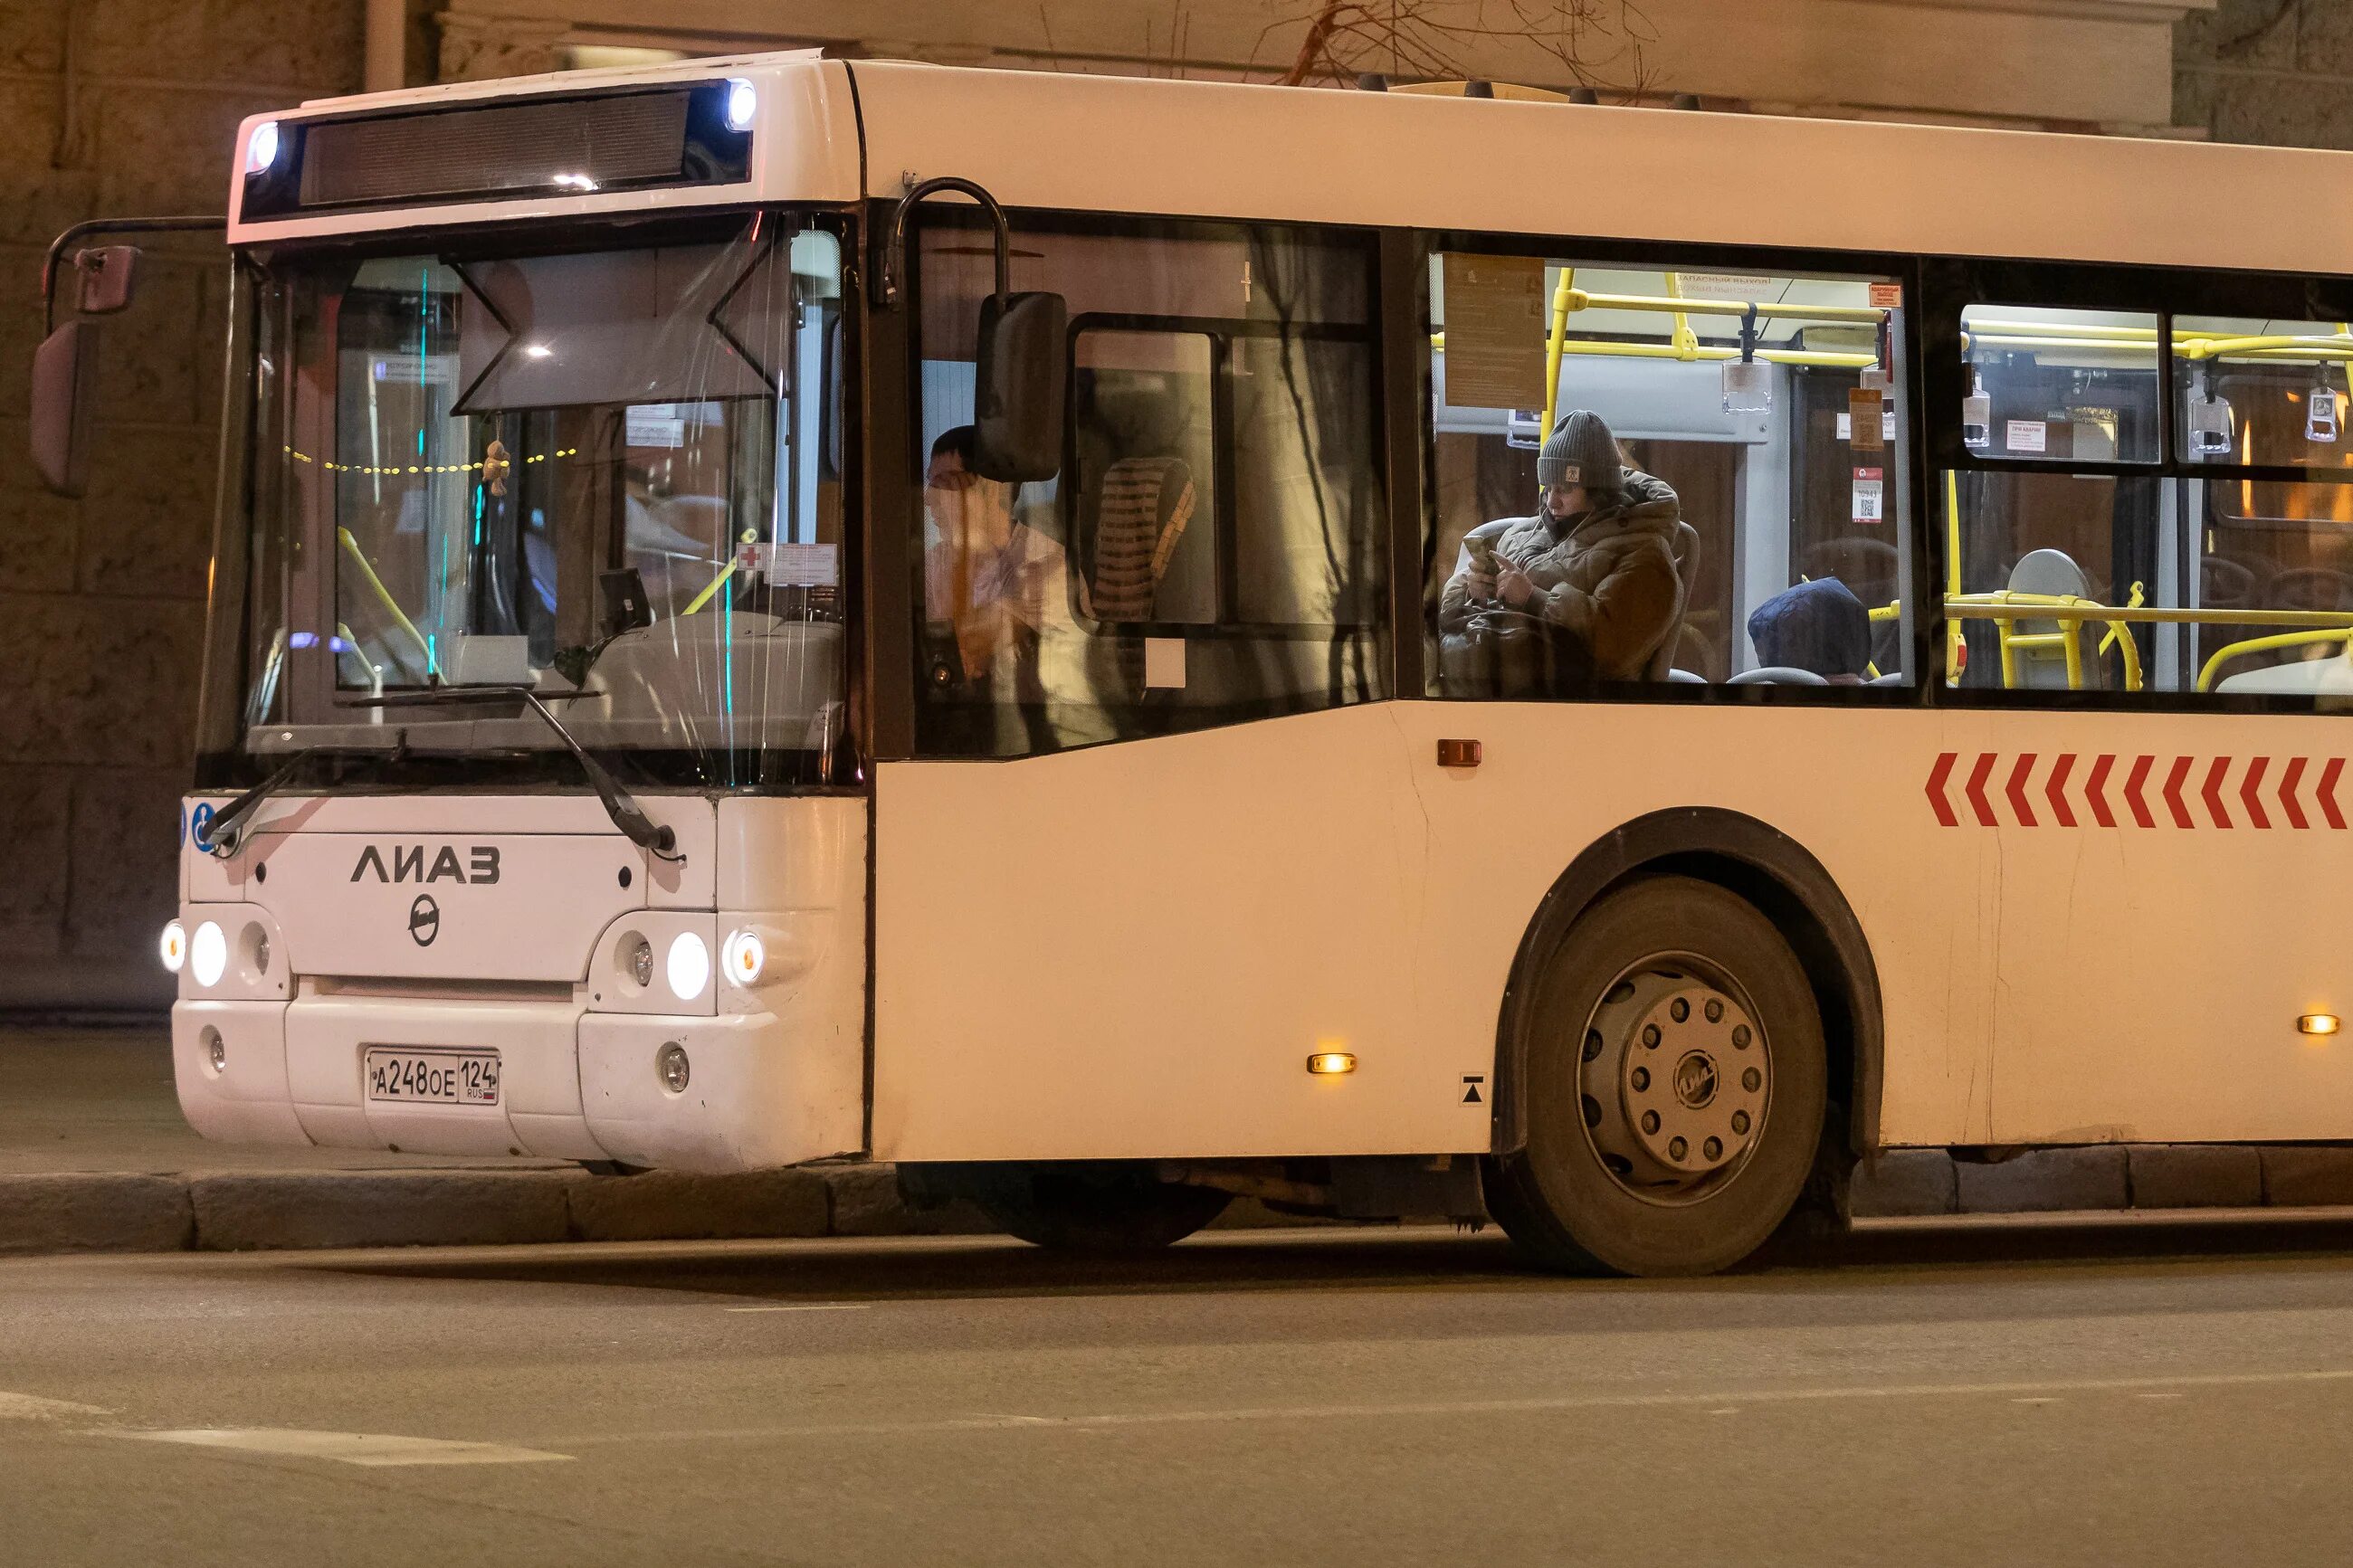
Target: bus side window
(1661, 476)
(1215, 547)
(2197, 576)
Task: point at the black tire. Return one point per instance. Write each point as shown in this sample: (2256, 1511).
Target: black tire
(1572, 1197)
(1102, 1210)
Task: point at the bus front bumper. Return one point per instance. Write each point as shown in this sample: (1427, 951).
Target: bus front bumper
(573, 1084)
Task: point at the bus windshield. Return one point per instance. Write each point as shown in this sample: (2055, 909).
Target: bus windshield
(609, 476)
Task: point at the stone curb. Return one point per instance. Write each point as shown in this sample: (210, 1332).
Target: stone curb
(95, 1213)
(123, 1212)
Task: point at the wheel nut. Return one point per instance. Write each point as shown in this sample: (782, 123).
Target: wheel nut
(1713, 1148)
(1682, 1010)
(1650, 1036)
(1642, 1078)
(1649, 1122)
(1740, 1122)
(1750, 1080)
(1714, 1011)
(1740, 1037)
(1677, 1149)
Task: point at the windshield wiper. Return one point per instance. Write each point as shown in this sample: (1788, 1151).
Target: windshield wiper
(641, 830)
(220, 835)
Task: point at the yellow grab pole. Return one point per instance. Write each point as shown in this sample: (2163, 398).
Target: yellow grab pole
(1552, 348)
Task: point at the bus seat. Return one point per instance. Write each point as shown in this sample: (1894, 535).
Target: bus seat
(1686, 552)
(2052, 573)
(1893, 677)
(1140, 515)
(1777, 675)
(1685, 677)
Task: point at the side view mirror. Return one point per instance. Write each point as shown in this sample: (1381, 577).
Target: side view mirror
(64, 367)
(1020, 380)
(1018, 392)
(65, 391)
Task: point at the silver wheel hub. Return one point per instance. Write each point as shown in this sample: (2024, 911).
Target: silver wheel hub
(1675, 1079)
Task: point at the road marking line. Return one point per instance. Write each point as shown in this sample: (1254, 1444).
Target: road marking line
(369, 1449)
(808, 1307)
(32, 1407)
(1467, 1407)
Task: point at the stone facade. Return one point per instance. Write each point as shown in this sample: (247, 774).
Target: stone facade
(2277, 71)
(108, 107)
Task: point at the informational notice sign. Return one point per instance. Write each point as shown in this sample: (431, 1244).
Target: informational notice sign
(1870, 494)
(1494, 330)
(1865, 414)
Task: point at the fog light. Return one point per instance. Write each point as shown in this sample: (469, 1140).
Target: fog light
(640, 961)
(2318, 1023)
(747, 957)
(689, 966)
(174, 945)
(261, 150)
(1326, 1062)
(208, 955)
(742, 104)
(216, 1050)
(670, 1064)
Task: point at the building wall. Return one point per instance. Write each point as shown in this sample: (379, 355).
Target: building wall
(118, 107)
(2277, 71)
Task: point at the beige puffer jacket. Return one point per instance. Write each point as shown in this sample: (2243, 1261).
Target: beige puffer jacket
(1608, 575)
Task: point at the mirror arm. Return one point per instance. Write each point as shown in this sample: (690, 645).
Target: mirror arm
(894, 255)
(107, 225)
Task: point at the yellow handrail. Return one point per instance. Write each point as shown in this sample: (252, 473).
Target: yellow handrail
(1560, 296)
(1823, 357)
(384, 595)
(2263, 645)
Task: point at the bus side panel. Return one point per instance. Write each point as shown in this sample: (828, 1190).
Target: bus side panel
(1131, 951)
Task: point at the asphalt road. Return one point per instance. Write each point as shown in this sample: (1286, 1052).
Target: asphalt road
(2143, 1396)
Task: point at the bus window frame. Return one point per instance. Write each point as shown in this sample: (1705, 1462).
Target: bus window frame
(1925, 651)
(1948, 283)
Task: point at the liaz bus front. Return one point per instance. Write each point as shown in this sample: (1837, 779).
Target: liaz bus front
(529, 815)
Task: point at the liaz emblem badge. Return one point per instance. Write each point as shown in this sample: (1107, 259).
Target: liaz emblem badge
(424, 920)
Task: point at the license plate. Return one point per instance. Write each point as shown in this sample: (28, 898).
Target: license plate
(433, 1077)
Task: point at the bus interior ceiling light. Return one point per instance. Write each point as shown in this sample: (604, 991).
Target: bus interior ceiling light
(1324, 1064)
(174, 946)
(743, 103)
(537, 350)
(689, 966)
(2318, 1023)
(261, 148)
(208, 955)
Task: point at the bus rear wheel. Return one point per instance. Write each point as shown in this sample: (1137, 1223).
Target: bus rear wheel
(1674, 1084)
(1100, 1209)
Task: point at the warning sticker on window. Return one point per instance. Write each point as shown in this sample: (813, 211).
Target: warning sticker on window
(1887, 296)
(1865, 414)
(2026, 435)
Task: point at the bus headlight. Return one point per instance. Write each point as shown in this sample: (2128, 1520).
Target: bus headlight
(208, 955)
(689, 966)
(261, 150)
(174, 946)
(747, 958)
(742, 104)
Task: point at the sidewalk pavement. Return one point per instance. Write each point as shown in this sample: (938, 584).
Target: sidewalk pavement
(94, 1156)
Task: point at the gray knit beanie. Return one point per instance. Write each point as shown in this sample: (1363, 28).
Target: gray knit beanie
(1582, 451)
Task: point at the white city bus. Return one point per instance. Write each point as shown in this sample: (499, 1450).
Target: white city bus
(716, 664)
